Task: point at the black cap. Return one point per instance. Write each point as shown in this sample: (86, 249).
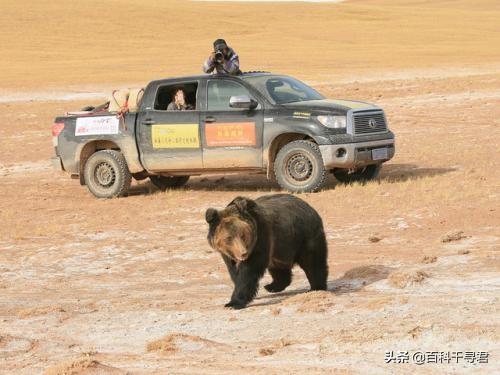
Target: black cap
(219, 44)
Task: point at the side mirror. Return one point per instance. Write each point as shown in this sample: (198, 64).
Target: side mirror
(242, 102)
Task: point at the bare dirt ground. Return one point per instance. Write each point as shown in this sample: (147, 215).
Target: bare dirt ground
(131, 286)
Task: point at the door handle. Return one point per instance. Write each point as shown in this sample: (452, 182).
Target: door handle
(148, 121)
(210, 119)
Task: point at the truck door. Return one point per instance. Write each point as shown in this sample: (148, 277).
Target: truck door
(169, 140)
(232, 138)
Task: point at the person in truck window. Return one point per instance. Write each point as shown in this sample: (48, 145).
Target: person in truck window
(179, 102)
(223, 60)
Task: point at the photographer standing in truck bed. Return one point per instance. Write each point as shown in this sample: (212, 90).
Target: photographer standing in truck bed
(223, 59)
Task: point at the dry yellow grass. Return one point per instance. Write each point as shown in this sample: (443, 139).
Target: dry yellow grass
(169, 343)
(83, 366)
(34, 312)
(140, 265)
(48, 43)
(275, 346)
(312, 302)
(407, 277)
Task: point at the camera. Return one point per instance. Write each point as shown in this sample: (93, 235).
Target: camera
(219, 56)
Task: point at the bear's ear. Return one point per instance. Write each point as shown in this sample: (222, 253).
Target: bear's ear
(211, 215)
(243, 204)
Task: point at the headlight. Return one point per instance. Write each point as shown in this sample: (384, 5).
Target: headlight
(334, 122)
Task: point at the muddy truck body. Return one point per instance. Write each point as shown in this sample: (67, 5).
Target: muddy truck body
(252, 123)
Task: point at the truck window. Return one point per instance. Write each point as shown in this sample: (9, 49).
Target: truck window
(165, 95)
(283, 89)
(219, 92)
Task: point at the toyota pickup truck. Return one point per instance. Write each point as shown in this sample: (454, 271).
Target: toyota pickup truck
(257, 122)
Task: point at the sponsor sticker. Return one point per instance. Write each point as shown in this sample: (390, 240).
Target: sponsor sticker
(175, 136)
(97, 125)
(230, 134)
(301, 114)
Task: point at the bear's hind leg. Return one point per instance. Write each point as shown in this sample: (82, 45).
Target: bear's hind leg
(316, 270)
(281, 279)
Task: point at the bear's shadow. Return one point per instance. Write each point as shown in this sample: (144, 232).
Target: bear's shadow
(353, 280)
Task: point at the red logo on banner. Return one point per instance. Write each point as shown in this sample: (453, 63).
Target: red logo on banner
(230, 134)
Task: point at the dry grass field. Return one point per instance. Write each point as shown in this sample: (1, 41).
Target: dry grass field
(131, 286)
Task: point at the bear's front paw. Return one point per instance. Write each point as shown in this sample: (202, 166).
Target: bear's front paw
(235, 305)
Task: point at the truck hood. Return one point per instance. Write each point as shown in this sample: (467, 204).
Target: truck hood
(331, 105)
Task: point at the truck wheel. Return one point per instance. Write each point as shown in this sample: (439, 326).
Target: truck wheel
(364, 174)
(299, 167)
(106, 174)
(167, 182)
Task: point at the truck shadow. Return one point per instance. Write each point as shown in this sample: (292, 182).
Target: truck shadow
(391, 173)
(235, 182)
(352, 281)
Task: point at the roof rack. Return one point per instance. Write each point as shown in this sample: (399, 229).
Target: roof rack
(256, 71)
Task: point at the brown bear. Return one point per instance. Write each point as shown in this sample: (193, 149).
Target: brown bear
(272, 232)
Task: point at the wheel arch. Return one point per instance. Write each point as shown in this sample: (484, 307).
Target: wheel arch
(88, 149)
(106, 174)
(126, 146)
(277, 143)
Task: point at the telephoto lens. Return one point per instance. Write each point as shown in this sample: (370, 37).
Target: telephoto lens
(219, 56)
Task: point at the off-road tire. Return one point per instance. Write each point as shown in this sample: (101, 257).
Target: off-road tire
(364, 174)
(168, 182)
(106, 174)
(299, 167)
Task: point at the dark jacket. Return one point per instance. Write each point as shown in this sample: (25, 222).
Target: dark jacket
(231, 64)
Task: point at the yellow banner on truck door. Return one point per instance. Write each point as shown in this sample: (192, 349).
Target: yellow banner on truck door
(175, 136)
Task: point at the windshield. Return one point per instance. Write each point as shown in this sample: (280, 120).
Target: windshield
(282, 89)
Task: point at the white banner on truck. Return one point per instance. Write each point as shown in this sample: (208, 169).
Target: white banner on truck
(97, 125)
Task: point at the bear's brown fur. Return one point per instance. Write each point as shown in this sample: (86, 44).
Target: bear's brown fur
(273, 232)
(233, 237)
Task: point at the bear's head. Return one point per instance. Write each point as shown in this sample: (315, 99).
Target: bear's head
(233, 231)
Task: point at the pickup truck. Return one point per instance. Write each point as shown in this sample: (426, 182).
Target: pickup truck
(257, 122)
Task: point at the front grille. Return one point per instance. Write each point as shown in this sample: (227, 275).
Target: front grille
(369, 122)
